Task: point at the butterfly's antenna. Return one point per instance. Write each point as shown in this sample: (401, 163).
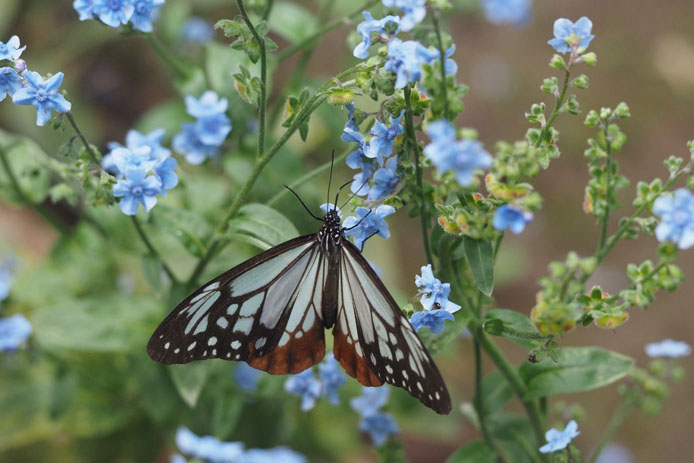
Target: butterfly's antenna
(367, 239)
(330, 178)
(304, 204)
(362, 219)
(339, 190)
(355, 193)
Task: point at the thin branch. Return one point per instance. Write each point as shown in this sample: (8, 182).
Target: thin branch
(152, 249)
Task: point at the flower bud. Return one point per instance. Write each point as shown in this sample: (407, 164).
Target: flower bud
(20, 66)
(557, 62)
(589, 58)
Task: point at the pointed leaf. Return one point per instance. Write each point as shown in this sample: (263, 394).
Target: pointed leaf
(261, 226)
(480, 256)
(189, 380)
(187, 226)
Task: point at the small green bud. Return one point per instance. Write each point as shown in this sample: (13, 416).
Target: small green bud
(340, 97)
(592, 119)
(605, 113)
(495, 327)
(580, 81)
(551, 86)
(622, 111)
(557, 62)
(589, 58)
(677, 374)
(468, 133)
(571, 105)
(690, 182)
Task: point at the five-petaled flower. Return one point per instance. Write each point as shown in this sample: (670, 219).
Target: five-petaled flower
(332, 378)
(371, 26)
(114, 12)
(144, 11)
(383, 137)
(137, 188)
(512, 218)
(434, 299)
(385, 180)
(368, 222)
(11, 50)
(569, 36)
(14, 331)
(668, 348)
(202, 138)
(42, 95)
(414, 11)
(305, 385)
(377, 424)
(507, 11)
(558, 440)
(463, 157)
(676, 213)
(10, 82)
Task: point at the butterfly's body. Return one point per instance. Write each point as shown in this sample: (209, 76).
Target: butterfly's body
(272, 311)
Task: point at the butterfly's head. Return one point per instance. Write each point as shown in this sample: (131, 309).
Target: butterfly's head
(332, 219)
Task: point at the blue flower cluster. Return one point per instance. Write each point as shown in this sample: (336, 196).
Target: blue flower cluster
(379, 425)
(369, 27)
(310, 388)
(515, 12)
(202, 138)
(378, 177)
(569, 36)
(405, 60)
(212, 450)
(462, 157)
(511, 217)
(676, 213)
(414, 11)
(559, 440)
(14, 331)
(434, 299)
(114, 13)
(144, 169)
(668, 348)
(28, 87)
(247, 377)
(367, 223)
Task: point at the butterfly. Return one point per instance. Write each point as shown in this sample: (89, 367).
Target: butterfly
(272, 311)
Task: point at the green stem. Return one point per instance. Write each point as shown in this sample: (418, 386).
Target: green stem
(557, 108)
(262, 99)
(497, 244)
(268, 9)
(39, 208)
(414, 145)
(478, 399)
(616, 421)
(307, 177)
(442, 54)
(79, 133)
(178, 67)
(152, 249)
(284, 54)
(608, 190)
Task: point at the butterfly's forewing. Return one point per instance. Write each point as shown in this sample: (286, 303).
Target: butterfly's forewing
(375, 343)
(266, 311)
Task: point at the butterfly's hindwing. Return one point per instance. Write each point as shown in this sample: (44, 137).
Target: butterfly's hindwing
(375, 343)
(266, 311)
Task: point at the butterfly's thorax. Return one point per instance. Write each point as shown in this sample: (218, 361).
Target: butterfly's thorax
(330, 236)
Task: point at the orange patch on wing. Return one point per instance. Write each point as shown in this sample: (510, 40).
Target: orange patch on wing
(353, 363)
(295, 356)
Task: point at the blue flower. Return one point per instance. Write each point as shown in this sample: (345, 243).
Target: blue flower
(10, 82)
(14, 331)
(358, 159)
(188, 144)
(247, 377)
(305, 385)
(201, 139)
(569, 35)
(275, 455)
(510, 217)
(463, 157)
(137, 188)
(435, 320)
(615, 453)
(385, 180)
(6, 277)
(379, 426)
(415, 11)
(196, 30)
(145, 11)
(332, 378)
(351, 120)
(208, 448)
(42, 95)
(668, 348)
(372, 399)
(85, 8)
(209, 104)
(370, 26)
(368, 222)
(507, 11)
(558, 440)
(11, 50)
(434, 293)
(114, 12)
(676, 218)
(405, 59)
(382, 138)
(177, 458)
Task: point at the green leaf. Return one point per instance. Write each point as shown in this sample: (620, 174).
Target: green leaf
(473, 452)
(291, 21)
(496, 392)
(518, 328)
(578, 369)
(152, 268)
(514, 437)
(188, 227)
(261, 226)
(27, 161)
(480, 256)
(189, 380)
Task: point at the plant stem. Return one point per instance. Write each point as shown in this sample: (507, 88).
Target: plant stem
(608, 190)
(39, 208)
(307, 177)
(478, 398)
(615, 422)
(557, 108)
(79, 133)
(442, 54)
(268, 9)
(281, 56)
(152, 249)
(166, 56)
(414, 145)
(262, 99)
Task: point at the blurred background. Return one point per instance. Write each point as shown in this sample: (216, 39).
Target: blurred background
(116, 82)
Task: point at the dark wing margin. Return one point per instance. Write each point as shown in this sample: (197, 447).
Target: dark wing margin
(374, 341)
(265, 311)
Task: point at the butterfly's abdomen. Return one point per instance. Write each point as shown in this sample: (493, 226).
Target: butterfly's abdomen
(330, 247)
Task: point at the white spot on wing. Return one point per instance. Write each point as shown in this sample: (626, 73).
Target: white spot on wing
(192, 346)
(214, 285)
(167, 345)
(222, 322)
(243, 325)
(212, 341)
(284, 339)
(231, 310)
(202, 326)
(235, 345)
(252, 305)
(260, 343)
(264, 273)
(308, 321)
